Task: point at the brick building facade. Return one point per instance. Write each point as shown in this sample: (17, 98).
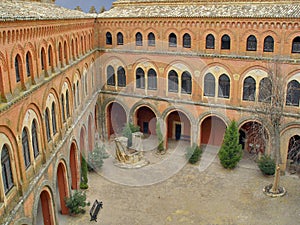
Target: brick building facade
(67, 77)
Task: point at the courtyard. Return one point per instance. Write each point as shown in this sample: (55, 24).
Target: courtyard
(171, 192)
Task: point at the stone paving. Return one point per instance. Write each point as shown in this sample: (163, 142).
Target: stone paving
(188, 195)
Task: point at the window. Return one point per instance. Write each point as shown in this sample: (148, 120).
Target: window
(269, 44)
(67, 104)
(151, 39)
(35, 142)
(43, 58)
(296, 45)
(249, 89)
(173, 81)
(63, 108)
(25, 147)
(65, 52)
(152, 80)
(251, 43)
(209, 85)
(17, 68)
(59, 53)
(6, 170)
(224, 86)
(140, 78)
(108, 38)
(77, 93)
(210, 42)
(172, 40)
(73, 49)
(74, 97)
(120, 40)
(47, 123)
(110, 73)
(225, 42)
(265, 90)
(28, 64)
(138, 39)
(50, 55)
(293, 93)
(53, 118)
(186, 41)
(121, 77)
(186, 83)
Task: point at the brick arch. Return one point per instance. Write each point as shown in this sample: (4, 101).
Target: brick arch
(74, 165)
(62, 185)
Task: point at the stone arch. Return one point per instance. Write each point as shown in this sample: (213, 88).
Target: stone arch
(24, 221)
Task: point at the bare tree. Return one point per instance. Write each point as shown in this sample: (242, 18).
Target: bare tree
(92, 9)
(270, 109)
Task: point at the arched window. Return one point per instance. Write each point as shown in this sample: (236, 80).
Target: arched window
(140, 78)
(43, 59)
(265, 90)
(120, 40)
(28, 64)
(293, 93)
(249, 89)
(25, 147)
(138, 39)
(35, 142)
(67, 104)
(63, 108)
(53, 114)
(296, 45)
(172, 40)
(121, 77)
(151, 39)
(173, 81)
(6, 170)
(210, 41)
(110, 74)
(269, 44)
(18, 67)
(251, 43)
(224, 86)
(225, 42)
(65, 52)
(209, 85)
(108, 38)
(186, 41)
(77, 92)
(152, 80)
(73, 49)
(50, 55)
(186, 83)
(47, 123)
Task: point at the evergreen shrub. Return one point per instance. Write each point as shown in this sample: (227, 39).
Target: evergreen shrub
(267, 165)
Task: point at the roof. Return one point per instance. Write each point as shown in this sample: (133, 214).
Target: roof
(203, 9)
(23, 10)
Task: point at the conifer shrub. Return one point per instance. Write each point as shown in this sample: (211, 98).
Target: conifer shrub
(231, 151)
(84, 177)
(127, 131)
(193, 153)
(267, 165)
(95, 158)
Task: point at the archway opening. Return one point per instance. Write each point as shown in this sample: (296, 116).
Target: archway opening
(212, 131)
(178, 126)
(73, 167)
(146, 120)
(62, 186)
(45, 210)
(116, 119)
(294, 150)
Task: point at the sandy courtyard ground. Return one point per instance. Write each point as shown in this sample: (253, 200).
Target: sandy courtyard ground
(190, 196)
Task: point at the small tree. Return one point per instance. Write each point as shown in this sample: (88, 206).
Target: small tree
(231, 151)
(77, 202)
(160, 146)
(78, 8)
(128, 129)
(193, 153)
(267, 165)
(95, 158)
(102, 9)
(92, 9)
(84, 170)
